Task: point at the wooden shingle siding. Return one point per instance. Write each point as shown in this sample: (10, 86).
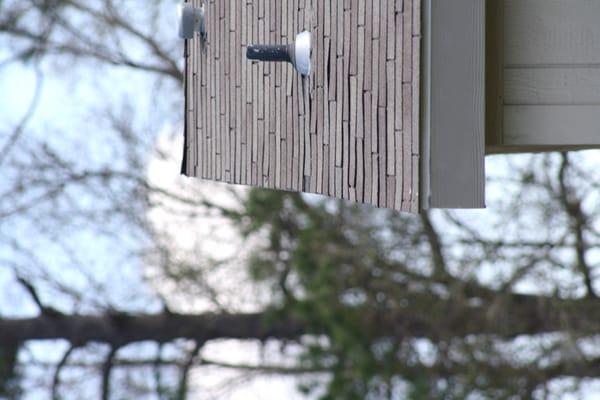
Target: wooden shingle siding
(350, 130)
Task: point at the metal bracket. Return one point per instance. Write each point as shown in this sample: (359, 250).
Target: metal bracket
(297, 53)
(190, 19)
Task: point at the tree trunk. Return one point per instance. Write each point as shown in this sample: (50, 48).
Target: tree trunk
(122, 329)
(507, 316)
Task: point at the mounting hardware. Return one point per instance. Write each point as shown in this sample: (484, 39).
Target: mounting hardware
(297, 53)
(190, 19)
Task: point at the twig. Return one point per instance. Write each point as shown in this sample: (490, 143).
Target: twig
(59, 367)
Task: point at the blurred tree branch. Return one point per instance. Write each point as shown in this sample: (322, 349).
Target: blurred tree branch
(519, 315)
(57, 371)
(96, 40)
(106, 371)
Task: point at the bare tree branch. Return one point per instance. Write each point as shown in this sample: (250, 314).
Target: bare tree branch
(79, 44)
(156, 366)
(520, 315)
(572, 206)
(59, 367)
(106, 371)
(122, 329)
(48, 311)
(185, 370)
(22, 125)
(439, 262)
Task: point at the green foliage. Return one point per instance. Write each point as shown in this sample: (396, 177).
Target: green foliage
(356, 277)
(323, 263)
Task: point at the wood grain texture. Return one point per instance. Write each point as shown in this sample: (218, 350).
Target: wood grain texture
(348, 131)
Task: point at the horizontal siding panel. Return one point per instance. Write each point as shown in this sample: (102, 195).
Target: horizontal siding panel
(552, 125)
(539, 32)
(546, 86)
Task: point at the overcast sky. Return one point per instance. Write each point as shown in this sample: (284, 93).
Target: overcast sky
(62, 106)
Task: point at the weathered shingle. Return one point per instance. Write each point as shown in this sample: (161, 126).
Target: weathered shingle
(350, 130)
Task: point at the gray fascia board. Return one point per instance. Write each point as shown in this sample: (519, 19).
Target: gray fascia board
(453, 171)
